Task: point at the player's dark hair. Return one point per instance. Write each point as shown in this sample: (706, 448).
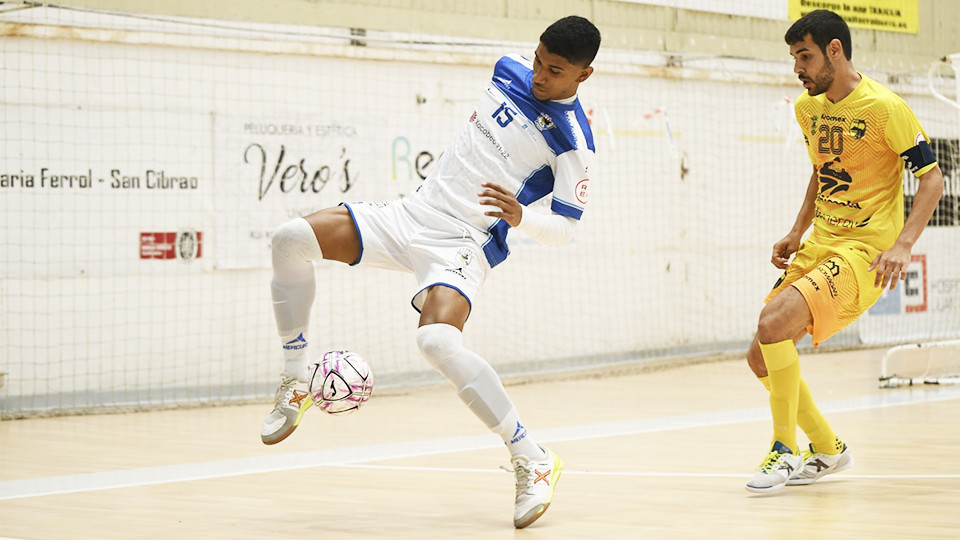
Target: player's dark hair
(573, 38)
(823, 26)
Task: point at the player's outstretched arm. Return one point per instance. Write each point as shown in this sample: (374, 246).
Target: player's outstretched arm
(789, 244)
(892, 264)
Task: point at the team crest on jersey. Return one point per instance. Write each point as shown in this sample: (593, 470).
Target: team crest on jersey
(544, 122)
(465, 256)
(858, 127)
(813, 124)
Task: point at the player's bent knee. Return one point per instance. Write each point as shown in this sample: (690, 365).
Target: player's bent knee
(438, 342)
(295, 239)
(442, 345)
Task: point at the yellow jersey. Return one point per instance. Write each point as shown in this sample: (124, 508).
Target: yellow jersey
(858, 147)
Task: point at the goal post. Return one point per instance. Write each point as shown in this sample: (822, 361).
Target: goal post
(931, 359)
(935, 362)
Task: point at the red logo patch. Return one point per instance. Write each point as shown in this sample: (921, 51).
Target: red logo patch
(581, 190)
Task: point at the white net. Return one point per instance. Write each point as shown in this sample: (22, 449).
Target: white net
(144, 163)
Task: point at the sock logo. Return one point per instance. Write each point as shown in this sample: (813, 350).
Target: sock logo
(296, 343)
(519, 434)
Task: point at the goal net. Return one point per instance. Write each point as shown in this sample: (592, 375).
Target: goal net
(145, 161)
(933, 355)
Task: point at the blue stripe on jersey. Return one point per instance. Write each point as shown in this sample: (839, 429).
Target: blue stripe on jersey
(532, 189)
(495, 248)
(566, 209)
(519, 89)
(536, 186)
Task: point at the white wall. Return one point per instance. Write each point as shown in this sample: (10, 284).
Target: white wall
(700, 171)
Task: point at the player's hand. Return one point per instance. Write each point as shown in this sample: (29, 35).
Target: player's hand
(783, 249)
(891, 266)
(510, 210)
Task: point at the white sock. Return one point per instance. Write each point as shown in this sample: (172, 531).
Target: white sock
(477, 385)
(293, 289)
(515, 436)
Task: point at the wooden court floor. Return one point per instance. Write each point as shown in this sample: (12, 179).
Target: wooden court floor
(660, 454)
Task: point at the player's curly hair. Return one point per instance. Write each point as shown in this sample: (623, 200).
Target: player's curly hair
(823, 26)
(573, 38)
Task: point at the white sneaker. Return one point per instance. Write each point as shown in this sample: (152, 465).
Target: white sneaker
(775, 470)
(535, 482)
(293, 399)
(817, 465)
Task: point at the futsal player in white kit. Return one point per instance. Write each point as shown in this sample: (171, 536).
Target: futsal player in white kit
(527, 139)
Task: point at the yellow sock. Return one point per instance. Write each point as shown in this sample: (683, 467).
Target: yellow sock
(783, 369)
(810, 420)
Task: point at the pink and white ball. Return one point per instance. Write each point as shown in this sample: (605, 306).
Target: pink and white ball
(341, 382)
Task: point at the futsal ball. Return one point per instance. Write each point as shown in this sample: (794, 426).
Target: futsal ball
(341, 382)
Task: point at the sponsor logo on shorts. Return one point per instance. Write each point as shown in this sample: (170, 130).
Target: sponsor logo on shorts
(830, 270)
(457, 271)
(812, 282)
(465, 256)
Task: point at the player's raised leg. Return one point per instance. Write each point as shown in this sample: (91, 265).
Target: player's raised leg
(440, 338)
(295, 245)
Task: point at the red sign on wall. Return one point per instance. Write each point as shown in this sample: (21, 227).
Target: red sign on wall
(185, 245)
(915, 286)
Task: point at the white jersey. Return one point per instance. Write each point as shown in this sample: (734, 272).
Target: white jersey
(532, 148)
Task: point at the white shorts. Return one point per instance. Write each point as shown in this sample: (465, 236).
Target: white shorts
(410, 237)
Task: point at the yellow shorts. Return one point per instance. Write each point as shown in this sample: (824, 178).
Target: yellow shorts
(835, 283)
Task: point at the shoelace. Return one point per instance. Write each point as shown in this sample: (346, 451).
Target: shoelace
(286, 388)
(771, 461)
(524, 477)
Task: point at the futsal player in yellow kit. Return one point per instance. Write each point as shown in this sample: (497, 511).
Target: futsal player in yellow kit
(859, 135)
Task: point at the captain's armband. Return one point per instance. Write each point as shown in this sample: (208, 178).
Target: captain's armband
(919, 156)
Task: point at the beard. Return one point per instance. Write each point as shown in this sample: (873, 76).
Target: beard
(823, 80)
